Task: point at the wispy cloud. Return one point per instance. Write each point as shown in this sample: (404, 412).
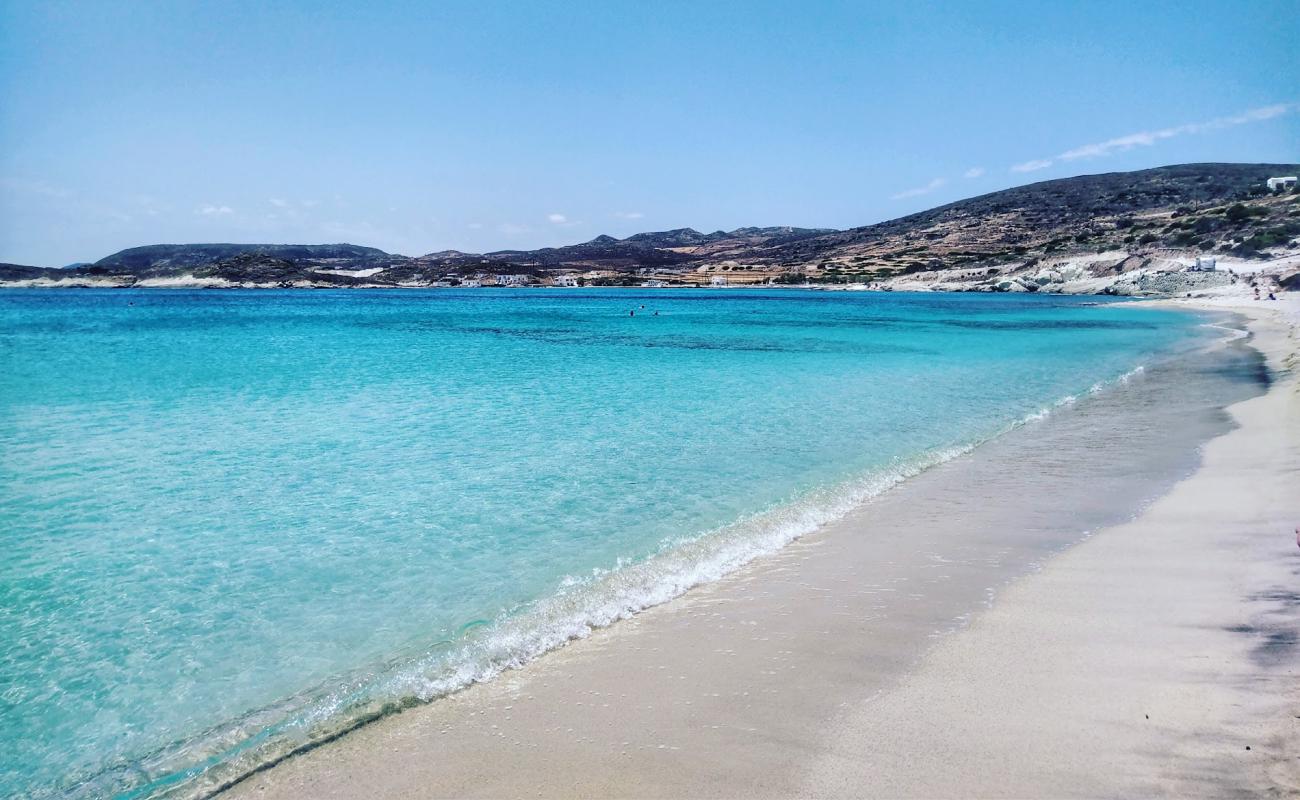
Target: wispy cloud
(278, 202)
(562, 220)
(1030, 166)
(628, 214)
(214, 211)
(920, 190)
(973, 172)
(1147, 138)
(1120, 144)
(511, 229)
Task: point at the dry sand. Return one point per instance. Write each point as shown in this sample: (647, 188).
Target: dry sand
(1157, 659)
(1142, 661)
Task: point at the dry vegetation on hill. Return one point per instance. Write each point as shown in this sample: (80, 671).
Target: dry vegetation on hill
(1110, 224)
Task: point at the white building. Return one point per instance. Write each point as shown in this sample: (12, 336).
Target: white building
(1204, 264)
(718, 280)
(567, 281)
(1281, 184)
(513, 280)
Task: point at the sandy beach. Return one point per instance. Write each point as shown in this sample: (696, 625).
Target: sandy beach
(993, 649)
(609, 401)
(1156, 659)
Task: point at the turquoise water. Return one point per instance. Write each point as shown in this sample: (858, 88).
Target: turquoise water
(236, 522)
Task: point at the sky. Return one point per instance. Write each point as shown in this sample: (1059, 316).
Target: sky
(423, 126)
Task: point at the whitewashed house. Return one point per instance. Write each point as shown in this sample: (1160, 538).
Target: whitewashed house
(718, 280)
(513, 280)
(1283, 184)
(566, 281)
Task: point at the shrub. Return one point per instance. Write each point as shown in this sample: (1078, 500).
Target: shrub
(1240, 213)
(1260, 241)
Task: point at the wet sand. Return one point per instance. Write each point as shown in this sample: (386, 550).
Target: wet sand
(851, 664)
(1157, 659)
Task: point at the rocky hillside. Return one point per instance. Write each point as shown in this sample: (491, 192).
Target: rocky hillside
(1106, 225)
(161, 257)
(1212, 208)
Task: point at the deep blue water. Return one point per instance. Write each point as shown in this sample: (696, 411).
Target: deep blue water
(235, 521)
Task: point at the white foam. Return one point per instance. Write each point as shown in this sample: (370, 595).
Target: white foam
(583, 604)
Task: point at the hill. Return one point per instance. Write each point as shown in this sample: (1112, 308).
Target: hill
(1106, 224)
(180, 256)
(1131, 211)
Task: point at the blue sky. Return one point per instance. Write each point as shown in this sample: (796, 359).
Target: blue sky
(423, 126)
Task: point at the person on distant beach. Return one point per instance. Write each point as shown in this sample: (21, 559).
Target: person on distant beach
(1256, 292)
(632, 313)
(1271, 297)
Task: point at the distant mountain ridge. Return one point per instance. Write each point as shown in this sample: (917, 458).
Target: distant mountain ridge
(1184, 206)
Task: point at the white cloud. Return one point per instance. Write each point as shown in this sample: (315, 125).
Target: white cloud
(475, 226)
(920, 190)
(628, 214)
(1120, 144)
(973, 172)
(1147, 138)
(562, 220)
(1030, 166)
(214, 211)
(278, 202)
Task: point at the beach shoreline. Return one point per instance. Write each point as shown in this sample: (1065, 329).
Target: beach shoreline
(609, 714)
(1156, 659)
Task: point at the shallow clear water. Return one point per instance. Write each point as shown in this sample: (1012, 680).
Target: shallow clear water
(235, 522)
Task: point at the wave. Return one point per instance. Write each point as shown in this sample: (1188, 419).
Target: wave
(483, 649)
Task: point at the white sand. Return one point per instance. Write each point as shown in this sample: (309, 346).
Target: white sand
(1157, 659)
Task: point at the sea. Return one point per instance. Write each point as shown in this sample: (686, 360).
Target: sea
(237, 523)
